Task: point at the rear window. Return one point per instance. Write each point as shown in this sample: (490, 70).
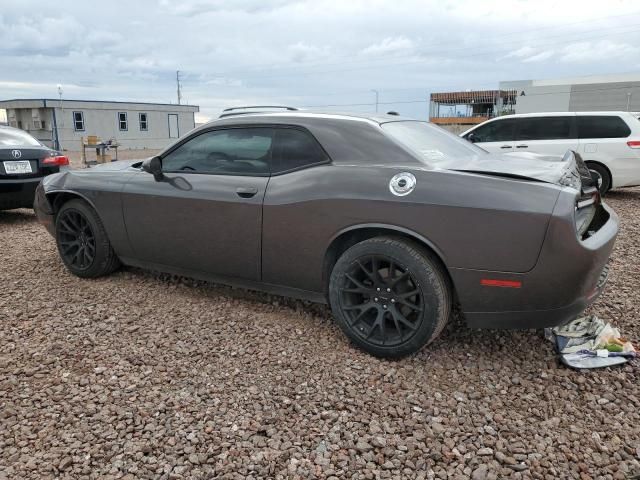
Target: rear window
(296, 149)
(429, 142)
(543, 128)
(16, 138)
(602, 126)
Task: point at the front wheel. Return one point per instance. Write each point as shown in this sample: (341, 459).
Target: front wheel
(389, 296)
(82, 241)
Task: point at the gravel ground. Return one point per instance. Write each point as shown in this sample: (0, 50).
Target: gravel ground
(147, 376)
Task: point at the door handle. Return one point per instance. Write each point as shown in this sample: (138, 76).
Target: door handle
(246, 192)
(506, 146)
(522, 146)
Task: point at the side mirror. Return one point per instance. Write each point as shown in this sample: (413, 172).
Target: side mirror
(472, 138)
(153, 166)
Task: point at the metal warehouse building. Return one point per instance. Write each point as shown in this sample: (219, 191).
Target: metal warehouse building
(135, 125)
(593, 93)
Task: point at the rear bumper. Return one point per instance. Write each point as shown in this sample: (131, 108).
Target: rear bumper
(569, 276)
(17, 193)
(537, 318)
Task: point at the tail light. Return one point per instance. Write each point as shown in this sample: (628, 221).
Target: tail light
(57, 161)
(634, 143)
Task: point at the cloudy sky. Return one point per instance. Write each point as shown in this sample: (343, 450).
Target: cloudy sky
(316, 53)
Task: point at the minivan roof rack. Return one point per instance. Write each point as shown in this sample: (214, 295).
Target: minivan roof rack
(227, 112)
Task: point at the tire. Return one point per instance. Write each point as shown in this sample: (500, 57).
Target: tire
(82, 241)
(370, 315)
(601, 175)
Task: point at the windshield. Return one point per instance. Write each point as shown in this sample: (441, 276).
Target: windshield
(429, 142)
(15, 138)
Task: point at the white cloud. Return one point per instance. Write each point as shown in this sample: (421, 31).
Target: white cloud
(589, 52)
(539, 57)
(389, 45)
(304, 52)
(523, 52)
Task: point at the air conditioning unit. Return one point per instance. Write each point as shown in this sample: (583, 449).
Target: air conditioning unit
(37, 125)
(13, 123)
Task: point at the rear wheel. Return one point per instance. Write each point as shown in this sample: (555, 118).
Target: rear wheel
(82, 241)
(601, 176)
(389, 296)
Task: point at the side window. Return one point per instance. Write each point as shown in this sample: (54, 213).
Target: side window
(144, 125)
(233, 151)
(78, 121)
(496, 131)
(122, 121)
(296, 149)
(543, 128)
(602, 126)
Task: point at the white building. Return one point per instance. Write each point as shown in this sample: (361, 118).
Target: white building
(134, 125)
(592, 93)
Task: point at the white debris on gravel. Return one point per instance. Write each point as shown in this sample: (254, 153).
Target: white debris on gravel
(149, 376)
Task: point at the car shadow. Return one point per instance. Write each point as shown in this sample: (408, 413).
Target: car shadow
(623, 194)
(12, 217)
(454, 344)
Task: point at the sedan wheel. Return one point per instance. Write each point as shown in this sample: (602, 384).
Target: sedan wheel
(389, 296)
(76, 239)
(381, 300)
(82, 241)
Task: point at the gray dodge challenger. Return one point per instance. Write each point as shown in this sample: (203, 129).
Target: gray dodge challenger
(389, 220)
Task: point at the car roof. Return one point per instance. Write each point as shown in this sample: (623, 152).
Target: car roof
(283, 117)
(560, 114)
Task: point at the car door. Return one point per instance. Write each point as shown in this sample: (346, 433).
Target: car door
(495, 136)
(205, 213)
(546, 135)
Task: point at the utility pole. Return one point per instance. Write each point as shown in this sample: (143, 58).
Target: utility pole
(376, 92)
(179, 86)
(61, 126)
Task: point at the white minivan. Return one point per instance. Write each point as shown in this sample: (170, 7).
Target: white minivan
(609, 142)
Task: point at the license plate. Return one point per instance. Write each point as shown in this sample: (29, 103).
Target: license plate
(18, 167)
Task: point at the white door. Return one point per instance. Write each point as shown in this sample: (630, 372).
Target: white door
(495, 136)
(174, 131)
(552, 135)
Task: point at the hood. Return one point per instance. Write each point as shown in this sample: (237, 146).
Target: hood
(568, 170)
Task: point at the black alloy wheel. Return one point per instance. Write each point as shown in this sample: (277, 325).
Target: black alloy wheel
(76, 239)
(390, 296)
(381, 300)
(82, 241)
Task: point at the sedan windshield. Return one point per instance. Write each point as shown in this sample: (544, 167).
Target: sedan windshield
(16, 138)
(431, 143)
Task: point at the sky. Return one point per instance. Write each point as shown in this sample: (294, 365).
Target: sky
(317, 54)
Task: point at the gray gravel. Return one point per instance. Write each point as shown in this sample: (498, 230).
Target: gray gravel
(147, 376)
